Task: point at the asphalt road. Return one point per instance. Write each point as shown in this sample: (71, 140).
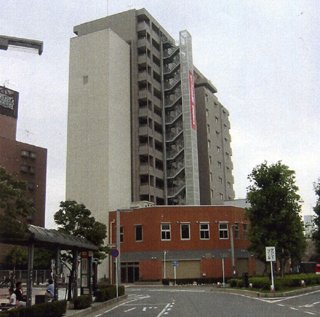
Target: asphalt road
(191, 302)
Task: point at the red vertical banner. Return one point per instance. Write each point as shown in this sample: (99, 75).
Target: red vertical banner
(192, 101)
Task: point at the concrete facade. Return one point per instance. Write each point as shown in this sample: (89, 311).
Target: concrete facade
(196, 238)
(98, 152)
(167, 168)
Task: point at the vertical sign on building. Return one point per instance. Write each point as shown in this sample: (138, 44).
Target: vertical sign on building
(189, 120)
(192, 101)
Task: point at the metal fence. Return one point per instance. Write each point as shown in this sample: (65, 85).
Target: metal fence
(7, 278)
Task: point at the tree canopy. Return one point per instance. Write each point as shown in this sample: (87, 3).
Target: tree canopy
(274, 212)
(75, 219)
(15, 206)
(316, 209)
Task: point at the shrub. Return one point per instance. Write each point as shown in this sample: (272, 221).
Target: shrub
(53, 309)
(104, 293)
(83, 301)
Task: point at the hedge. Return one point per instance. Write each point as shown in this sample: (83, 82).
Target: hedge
(104, 293)
(83, 301)
(288, 281)
(190, 281)
(52, 309)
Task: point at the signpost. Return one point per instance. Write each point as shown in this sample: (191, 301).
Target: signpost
(271, 257)
(175, 264)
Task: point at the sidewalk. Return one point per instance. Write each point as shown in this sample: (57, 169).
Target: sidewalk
(93, 310)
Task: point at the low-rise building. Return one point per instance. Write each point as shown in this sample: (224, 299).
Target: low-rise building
(183, 242)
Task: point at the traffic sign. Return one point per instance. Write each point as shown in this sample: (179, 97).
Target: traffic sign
(114, 252)
(270, 254)
(175, 263)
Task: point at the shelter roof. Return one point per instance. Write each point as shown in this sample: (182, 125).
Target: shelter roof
(51, 239)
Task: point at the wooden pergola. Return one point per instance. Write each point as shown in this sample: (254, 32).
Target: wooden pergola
(50, 239)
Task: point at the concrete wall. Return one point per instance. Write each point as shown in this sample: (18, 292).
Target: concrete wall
(98, 148)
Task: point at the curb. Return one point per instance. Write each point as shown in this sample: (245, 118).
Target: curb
(268, 295)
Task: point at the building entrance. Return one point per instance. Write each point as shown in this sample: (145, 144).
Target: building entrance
(129, 272)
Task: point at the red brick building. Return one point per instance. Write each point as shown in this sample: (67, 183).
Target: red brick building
(183, 242)
(28, 162)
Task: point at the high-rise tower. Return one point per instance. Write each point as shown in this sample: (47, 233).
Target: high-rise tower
(142, 118)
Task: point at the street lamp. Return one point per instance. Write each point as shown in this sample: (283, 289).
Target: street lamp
(164, 264)
(232, 249)
(6, 41)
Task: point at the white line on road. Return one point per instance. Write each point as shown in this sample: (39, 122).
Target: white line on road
(310, 305)
(130, 309)
(293, 308)
(307, 312)
(163, 310)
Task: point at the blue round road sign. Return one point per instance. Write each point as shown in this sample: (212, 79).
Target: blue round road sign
(114, 252)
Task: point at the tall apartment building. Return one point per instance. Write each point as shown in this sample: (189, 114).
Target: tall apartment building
(162, 136)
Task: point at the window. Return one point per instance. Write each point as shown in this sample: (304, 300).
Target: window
(165, 231)
(212, 193)
(85, 79)
(33, 155)
(204, 231)
(211, 177)
(210, 160)
(24, 153)
(209, 144)
(208, 128)
(221, 196)
(219, 164)
(218, 149)
(121, 234)
(138, 229)
(185, 231)
(223, 230)
(220, 180)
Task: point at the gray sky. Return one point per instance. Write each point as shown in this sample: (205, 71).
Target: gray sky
(260, 54)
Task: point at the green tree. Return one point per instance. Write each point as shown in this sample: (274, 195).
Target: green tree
(75, 219)
(274, 213)
(17, 257)
(15, 206)
(316, 209)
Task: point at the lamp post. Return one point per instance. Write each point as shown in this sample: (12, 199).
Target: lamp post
(118, 263)
(232, 249)
(7, 41)
(164, 264)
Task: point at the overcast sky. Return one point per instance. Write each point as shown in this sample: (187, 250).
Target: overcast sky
(262, 56)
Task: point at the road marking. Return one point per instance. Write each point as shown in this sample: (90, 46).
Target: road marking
(310, 305)
(130, 309)
(163, 311)
(144, 309)
(125, 303)
(307, 312)
(293, 308)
